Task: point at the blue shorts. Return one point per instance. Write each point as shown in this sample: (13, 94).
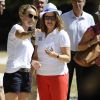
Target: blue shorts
(17, 82)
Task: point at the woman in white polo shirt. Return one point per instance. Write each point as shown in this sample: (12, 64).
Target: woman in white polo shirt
(17, 79)
(52, 52)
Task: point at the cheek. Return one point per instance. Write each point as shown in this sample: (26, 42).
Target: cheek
(54, 23)
(24, 19)
(45, 22)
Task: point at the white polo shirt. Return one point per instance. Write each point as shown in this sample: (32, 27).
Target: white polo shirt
(76, 26)
(19, 51)
(54, 40)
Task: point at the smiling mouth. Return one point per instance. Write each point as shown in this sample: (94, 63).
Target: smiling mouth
(49, 24)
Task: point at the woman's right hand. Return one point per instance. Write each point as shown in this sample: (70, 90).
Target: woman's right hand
(35, 64)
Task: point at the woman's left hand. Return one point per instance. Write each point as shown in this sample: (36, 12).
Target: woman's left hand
(51, 52)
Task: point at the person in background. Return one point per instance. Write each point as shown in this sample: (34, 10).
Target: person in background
(90, 83)
(76, 23)
(2, 6)
(51, 55)
(39, 5)
(17, 78)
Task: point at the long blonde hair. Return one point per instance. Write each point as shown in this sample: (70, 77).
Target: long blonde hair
(23, 9)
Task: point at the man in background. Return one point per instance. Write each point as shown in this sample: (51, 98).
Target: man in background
(76, 23)
(39, 5)
(2, 6)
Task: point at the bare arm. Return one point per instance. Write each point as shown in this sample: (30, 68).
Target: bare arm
(35, 63)
(23, 35)
(87, 44)
(87, 40)
(66, 55)
(35, 55)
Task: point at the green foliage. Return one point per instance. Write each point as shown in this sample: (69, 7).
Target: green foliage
(59, 2)
(12, 4)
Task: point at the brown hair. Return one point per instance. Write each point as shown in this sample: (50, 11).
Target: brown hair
(59, 23)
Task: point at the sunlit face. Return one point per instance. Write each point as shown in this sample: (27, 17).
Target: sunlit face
(50, 20)
(78, 5)
(2, 6)
(30, 18)
(40, 5)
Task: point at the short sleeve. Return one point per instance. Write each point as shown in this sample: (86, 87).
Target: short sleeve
(13, 30)
(64, 39)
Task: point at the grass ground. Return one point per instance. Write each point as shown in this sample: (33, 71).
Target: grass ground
(3, 54)
(73, 88)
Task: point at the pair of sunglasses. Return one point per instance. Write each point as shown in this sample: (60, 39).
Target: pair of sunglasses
(53, 18)
(33, 16)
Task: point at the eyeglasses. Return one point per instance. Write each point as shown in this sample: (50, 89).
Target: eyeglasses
(53, 18)
(31, 16)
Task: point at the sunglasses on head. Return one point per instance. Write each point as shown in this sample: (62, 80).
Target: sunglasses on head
(31, 16)
(53, 18)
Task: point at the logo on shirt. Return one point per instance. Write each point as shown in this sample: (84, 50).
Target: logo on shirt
(40, 39)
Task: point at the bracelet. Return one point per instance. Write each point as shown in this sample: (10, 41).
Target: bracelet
(58, 56)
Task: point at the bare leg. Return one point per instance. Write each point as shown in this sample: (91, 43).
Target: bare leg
(15, 96)
(11, 96)
(23, 96)
(2, 96)
(34, 87)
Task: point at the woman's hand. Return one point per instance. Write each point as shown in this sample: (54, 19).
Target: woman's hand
(35, 64)
(64, 56)
(51, 52)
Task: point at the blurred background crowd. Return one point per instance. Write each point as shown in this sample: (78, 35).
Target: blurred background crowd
(9, 14)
